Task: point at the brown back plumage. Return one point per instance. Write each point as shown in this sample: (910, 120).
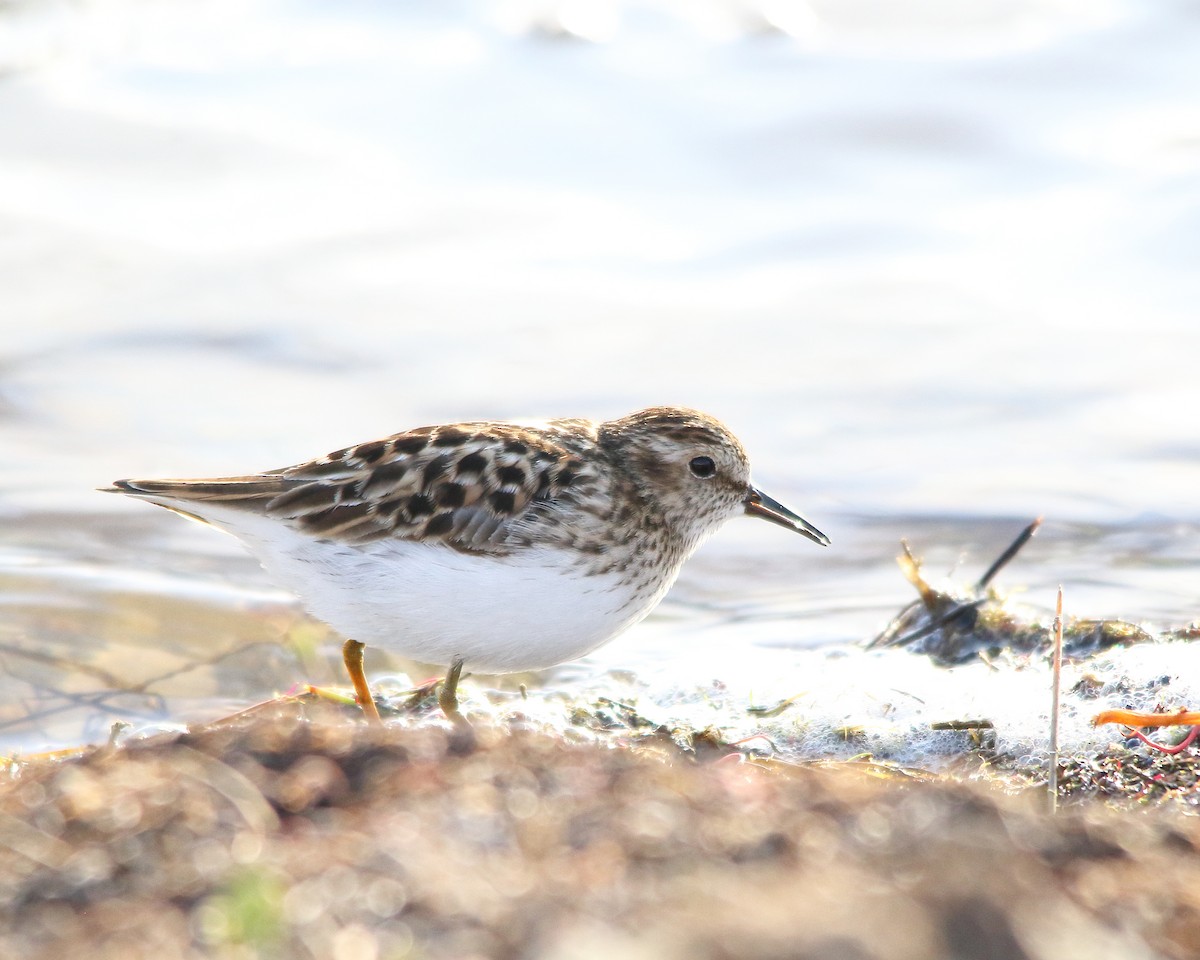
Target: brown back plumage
(468, 485)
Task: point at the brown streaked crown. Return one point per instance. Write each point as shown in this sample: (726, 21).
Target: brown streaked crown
(658, 446)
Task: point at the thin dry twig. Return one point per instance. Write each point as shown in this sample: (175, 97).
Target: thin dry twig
(962, 725)
(953, 613)
(1056, 695)
(99, 699)
(1013, 549)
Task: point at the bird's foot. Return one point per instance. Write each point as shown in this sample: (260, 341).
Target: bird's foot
(352, 655)
(448, 695)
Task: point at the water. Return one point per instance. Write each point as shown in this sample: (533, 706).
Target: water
(935, 267)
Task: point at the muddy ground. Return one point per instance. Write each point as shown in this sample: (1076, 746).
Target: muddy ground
(318, 836)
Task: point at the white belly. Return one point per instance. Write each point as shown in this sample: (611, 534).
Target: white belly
(525, 611)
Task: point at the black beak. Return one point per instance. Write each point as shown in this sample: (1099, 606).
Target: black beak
(758, 504)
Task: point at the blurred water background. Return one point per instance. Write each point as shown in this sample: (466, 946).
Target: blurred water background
(935, 263)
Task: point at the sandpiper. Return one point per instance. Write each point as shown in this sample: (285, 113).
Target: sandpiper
(505, 546)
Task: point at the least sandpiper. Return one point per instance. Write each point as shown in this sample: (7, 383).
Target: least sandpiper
(505, 546)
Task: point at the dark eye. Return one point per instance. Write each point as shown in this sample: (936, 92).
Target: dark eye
(702, 467)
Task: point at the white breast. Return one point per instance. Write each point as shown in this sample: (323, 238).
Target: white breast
(523, 611)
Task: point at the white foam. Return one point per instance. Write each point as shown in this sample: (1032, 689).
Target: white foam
(850, 701)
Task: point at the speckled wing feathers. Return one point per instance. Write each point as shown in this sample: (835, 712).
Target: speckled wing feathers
(478, 487)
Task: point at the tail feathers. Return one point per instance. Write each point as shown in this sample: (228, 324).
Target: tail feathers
(246, 492)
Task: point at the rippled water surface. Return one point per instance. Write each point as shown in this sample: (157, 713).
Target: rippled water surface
(936, 268)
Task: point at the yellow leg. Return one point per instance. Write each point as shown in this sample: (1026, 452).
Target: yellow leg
(352, 654)
(448, 695)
